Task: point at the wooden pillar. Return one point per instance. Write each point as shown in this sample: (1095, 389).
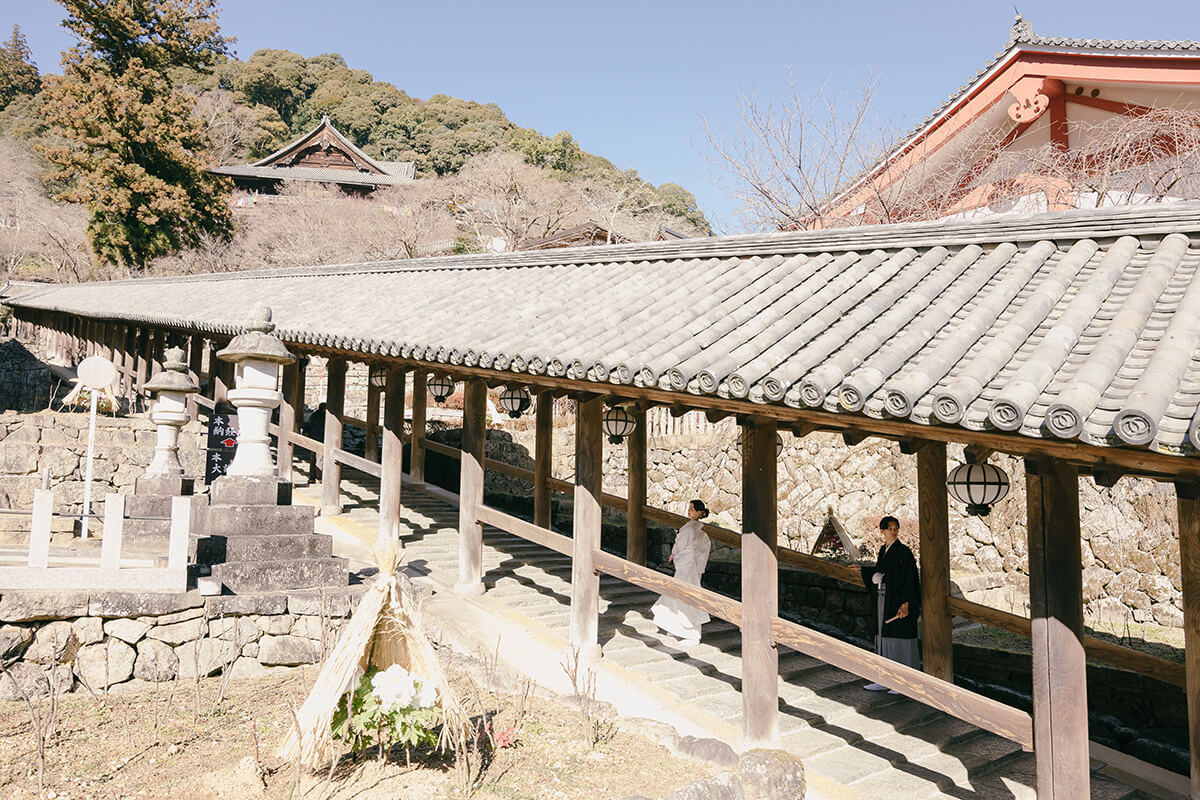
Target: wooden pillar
(937, 646)
(1188, 496)
(335, 409)
(141, 371)
(760, 584)
(301, 401)
(195, 357)
(287, 422)
(392, 462)
(129, 363)
(635, 515)
(589, 471)
(1060, 724)
(543, 458)
(470, 488)
(218, 374)
(371, 432)
(416, 452)
(156, 352)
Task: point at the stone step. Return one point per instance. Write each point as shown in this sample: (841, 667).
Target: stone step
(265, 576)
(222, 520)
(264, 547)
(242, 491)
(146, 527)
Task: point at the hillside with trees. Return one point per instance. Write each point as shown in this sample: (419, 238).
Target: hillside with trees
(161, 212)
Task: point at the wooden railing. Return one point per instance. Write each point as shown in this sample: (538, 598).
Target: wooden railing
(1107, 652)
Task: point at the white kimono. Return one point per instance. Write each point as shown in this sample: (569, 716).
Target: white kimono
(690, 557)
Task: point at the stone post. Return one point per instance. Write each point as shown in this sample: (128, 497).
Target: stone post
(257, 355)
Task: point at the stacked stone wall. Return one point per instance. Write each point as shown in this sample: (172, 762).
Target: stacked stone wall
(108, 639)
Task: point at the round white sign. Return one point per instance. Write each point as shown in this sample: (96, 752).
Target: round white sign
(96, 372)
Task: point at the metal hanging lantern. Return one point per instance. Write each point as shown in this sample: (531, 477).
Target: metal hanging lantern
(378, 377)
(618, 423)
(440, 387)
(515, 400)
(778, 444)
(980, 486)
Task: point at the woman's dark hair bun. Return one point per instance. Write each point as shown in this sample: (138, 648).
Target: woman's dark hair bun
(699, 506)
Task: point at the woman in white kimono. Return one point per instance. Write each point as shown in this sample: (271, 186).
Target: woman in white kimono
(690, 556)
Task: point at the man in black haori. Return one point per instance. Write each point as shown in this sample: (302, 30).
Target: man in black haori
(895, 588)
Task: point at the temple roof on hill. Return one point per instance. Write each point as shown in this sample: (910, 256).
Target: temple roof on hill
(324, 154)
(1080, 325)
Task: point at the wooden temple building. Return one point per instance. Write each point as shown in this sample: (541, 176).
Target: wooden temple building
(1037, 91)
(323, 155)
(1069, 340)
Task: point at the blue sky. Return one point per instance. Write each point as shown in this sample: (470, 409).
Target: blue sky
(631, 80)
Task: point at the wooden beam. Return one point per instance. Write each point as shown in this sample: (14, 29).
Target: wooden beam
(416, 442)
(543, 458)
(678, 410)
(910, 447)
(635, 518)
(589, 473)
(760, 584)
(937, 645)
(1107, 476)
(335, 408)
(975, 454)
(1188, 509)
(1060, 730)
(853, 437)
(392, 462)
(715, 415)
(802, 429)
(470, 488)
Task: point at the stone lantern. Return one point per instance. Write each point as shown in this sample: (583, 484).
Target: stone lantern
(257, 355)
(169, 413)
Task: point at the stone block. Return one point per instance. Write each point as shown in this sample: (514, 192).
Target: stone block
(227, 605)
(722, 786)
(275, 624)
(28, 433)
(127, 630)
(179, 632)
(770, 774)
(163, 486)
(339, 602)
(53, 643)
(235, 491)
(269, 576)
(250, 650)
(205, 657)
(17, 458)
(226, 520)
(712, 751)
(13, 641)
(99, 666)
(178, 616)
(288, 650)
(132, 604)
(248, 667)
(310, 627)
(24, 680)
(156, 661)
(220, 549)
(240, 630)
(89, 630)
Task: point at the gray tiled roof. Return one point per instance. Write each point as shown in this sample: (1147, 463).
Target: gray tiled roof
(324, 175)
(1079, 325)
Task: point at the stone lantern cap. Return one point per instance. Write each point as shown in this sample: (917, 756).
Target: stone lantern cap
(174, 376)
(257, 342)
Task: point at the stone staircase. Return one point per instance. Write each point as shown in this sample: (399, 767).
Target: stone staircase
(854, 743)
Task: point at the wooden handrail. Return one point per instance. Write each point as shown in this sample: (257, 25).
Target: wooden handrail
(982, 712)
(718, 605)
(206, 402)
(526, 530)
(358, 462)
(1115, 654)
(305, 443)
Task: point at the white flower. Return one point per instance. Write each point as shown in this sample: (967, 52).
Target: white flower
(394, 687)
(426, 695)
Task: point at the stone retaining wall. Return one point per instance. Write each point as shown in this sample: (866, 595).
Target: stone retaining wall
(110, 639)
(54, 444)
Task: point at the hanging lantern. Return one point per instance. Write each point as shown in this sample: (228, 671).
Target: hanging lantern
(440, 387)
(778, 444)
(378, 377)
(618, 423)
(515, 400)
(980, 486)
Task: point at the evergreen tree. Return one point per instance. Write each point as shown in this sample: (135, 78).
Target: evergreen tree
(18, 73)
(135, 155)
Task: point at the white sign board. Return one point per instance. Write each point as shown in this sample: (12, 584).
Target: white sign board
(96, 372)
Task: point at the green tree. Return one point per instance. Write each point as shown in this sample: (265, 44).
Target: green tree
(18, 72)
(134, 152)
(679, 202)
(278, 79)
